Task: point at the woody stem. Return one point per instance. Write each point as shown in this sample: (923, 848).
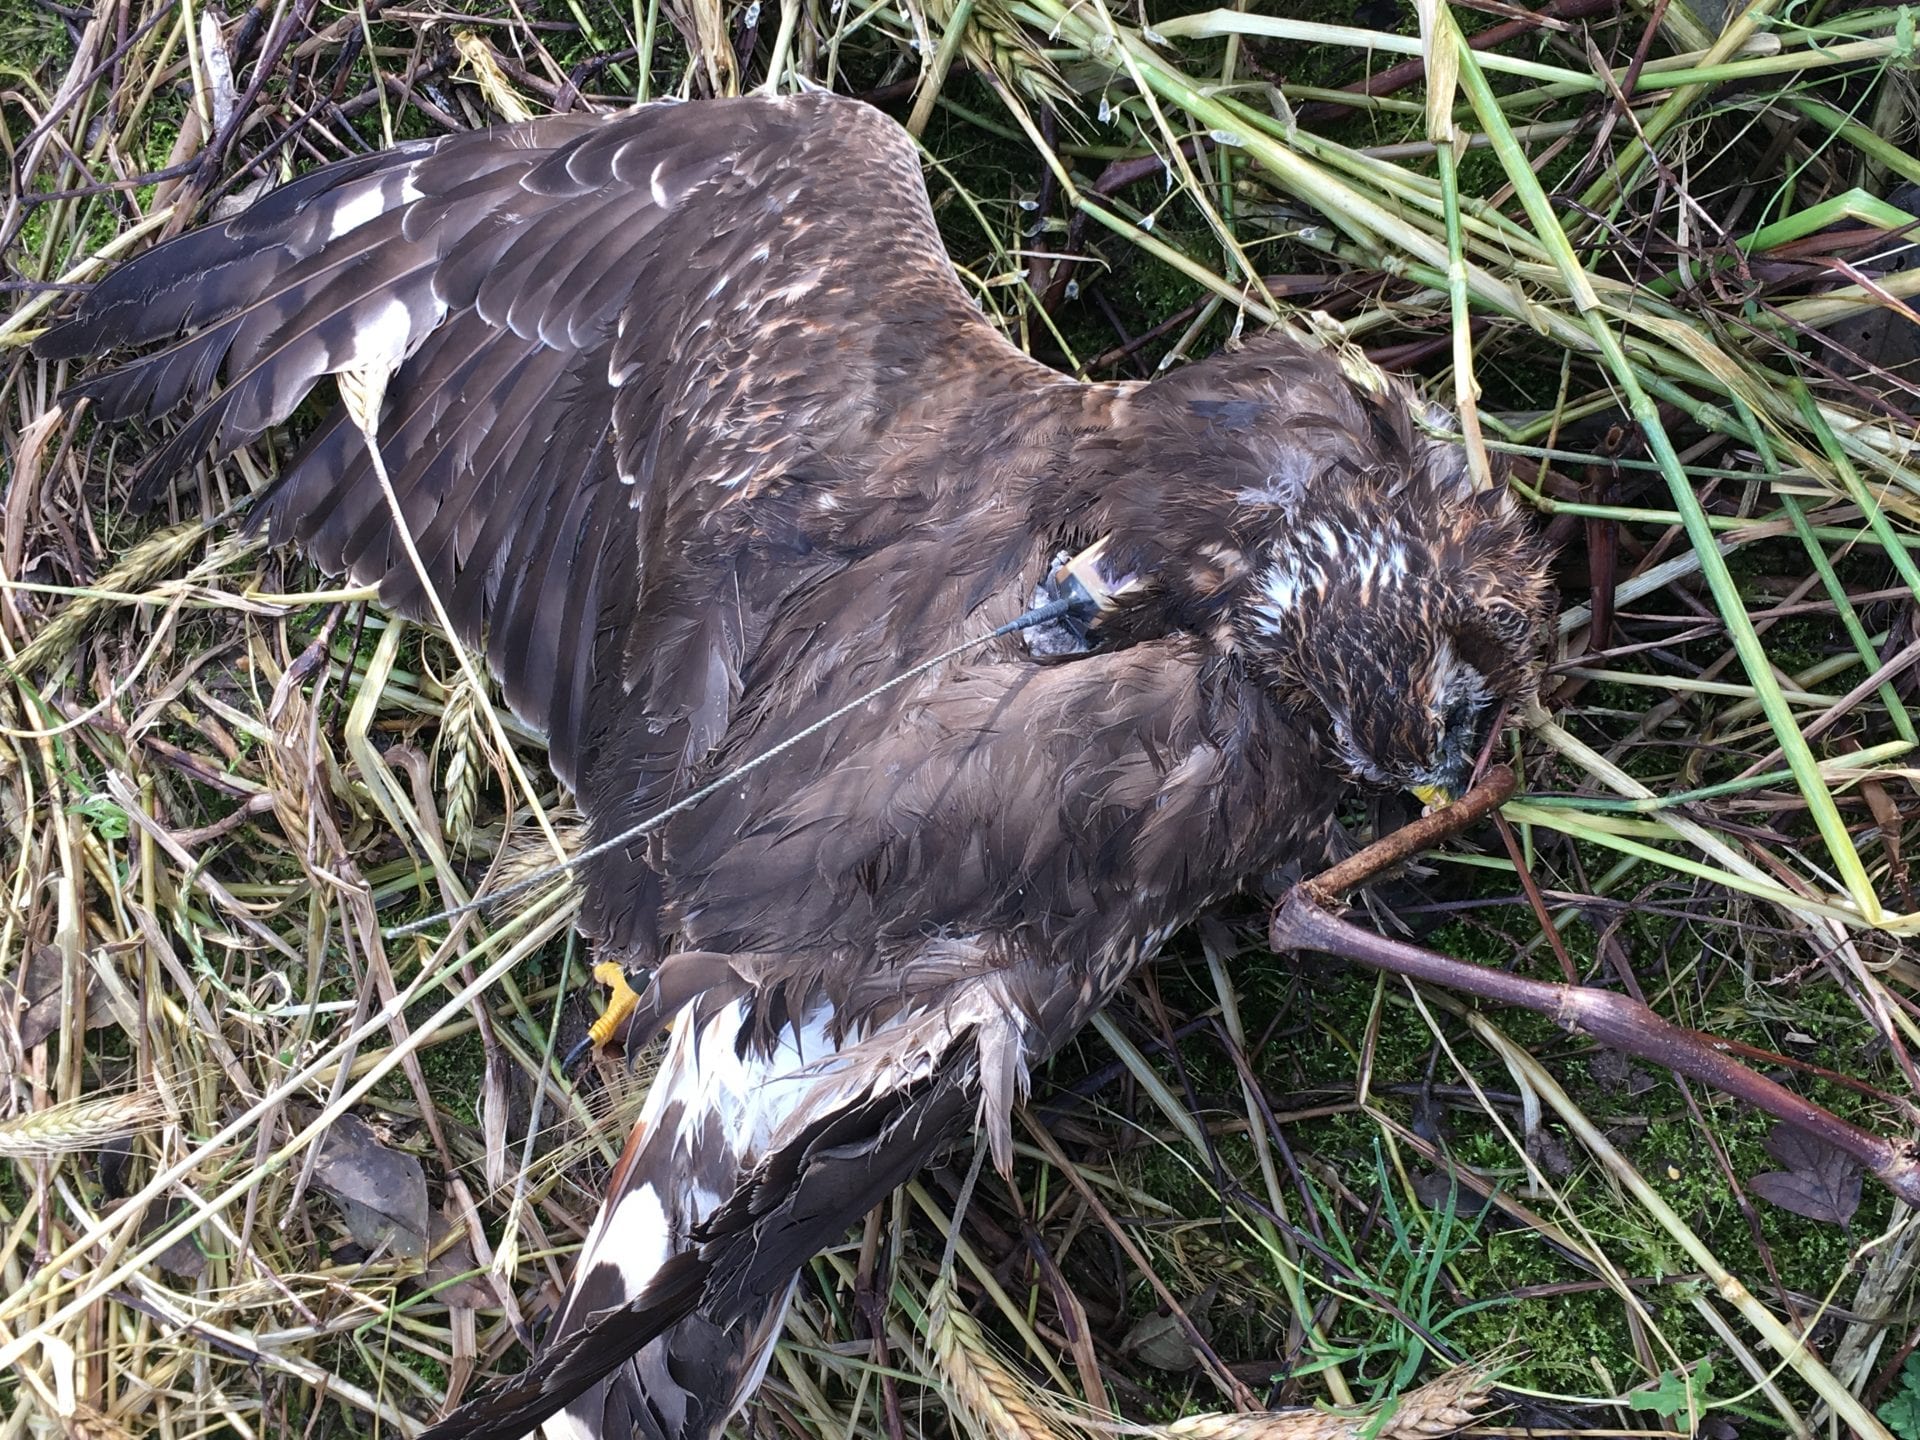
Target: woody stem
(1304, 921)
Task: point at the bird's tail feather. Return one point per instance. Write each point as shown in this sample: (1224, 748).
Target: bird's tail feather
(743, 1166)
(667, 1370)
(709, 1115)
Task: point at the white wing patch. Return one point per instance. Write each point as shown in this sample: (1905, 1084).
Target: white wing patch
(751, 1095)
(702, 1076)
(364, 204)
(633, 1231)
(386, 337)
(565, 1426)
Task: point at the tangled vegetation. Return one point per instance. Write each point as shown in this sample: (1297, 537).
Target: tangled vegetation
(268, 1170)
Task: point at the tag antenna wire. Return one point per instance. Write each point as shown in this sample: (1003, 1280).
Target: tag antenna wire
(1039, 615)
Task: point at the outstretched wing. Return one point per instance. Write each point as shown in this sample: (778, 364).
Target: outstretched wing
(619, 341)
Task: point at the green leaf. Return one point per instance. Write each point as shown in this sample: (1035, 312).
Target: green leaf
(108, 820)
(1901, 1410)
(1675, 1393)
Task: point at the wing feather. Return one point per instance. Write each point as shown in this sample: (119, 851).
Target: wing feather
(605, 329)
(201, 277)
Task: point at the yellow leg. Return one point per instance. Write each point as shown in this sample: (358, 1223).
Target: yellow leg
(622, 1001)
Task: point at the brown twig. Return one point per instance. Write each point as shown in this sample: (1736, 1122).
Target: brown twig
(1305, 921)
(1494, 790)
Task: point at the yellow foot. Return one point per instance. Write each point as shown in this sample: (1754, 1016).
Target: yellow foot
(622, 1001)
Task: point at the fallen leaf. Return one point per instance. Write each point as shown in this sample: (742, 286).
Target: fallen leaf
(455, 1276)
(1614, 1072)
(1820, 1181)
(382, 1193)
(36, 998)
(183, 1259)
(1546, 1151)
(1162, 1342)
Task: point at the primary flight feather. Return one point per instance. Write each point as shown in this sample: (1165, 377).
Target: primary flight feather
(699, 438)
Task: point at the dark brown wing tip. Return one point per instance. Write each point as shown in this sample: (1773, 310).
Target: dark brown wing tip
(581, 1360)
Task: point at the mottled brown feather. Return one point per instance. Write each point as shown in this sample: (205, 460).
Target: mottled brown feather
(700, 438)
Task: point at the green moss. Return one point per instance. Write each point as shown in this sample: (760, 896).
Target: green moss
(1492, 1281)
(456, 1072)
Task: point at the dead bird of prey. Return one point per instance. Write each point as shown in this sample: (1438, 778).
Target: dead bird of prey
(697, 438)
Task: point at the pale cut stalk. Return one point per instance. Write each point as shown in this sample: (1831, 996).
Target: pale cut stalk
(1843, 604)
(530, 927)
(1648, 581)
(1561, 821)
(936, 75)
(1689, 684)
(361, 390)
(1144, 1075)
(1284, 1251)
(1761, 1374)
(1742, 26)
(1359, 215)
(1679, 22)
(1657, 74)
(783, 44)
(983, 1273)
(1845, 127)
(1614, 778)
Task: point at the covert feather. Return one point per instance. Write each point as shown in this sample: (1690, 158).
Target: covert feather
(699, 437)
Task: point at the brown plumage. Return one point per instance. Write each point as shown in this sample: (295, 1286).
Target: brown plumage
(699, 438)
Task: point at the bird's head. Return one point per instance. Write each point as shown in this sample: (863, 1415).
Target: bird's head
(1400, 621)
(1304, 523)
